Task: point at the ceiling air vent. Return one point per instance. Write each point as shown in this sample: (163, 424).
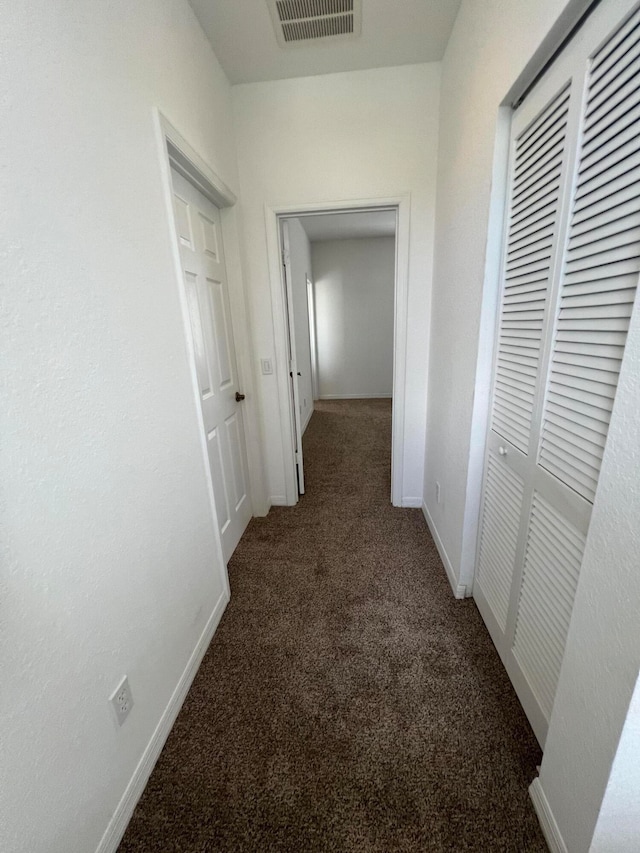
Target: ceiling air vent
(306, 22)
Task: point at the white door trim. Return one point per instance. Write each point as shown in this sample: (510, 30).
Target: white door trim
(402, 204)
(311, 311)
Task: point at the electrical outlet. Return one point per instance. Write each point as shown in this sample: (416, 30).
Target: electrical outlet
(122, 700)
(438, 492)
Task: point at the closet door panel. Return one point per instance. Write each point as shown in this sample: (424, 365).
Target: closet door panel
(500, 527)
(551, 566)
(600, 274)
(537, 167)
(537, 175)
(569, 286)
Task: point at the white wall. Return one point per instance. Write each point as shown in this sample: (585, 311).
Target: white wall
(618, 826)
(341, 136)
(491, 43)
(110, 557)
(300, 250)
(354, 287)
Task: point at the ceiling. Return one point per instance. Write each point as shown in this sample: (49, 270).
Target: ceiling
(349, 226)
(394, 32)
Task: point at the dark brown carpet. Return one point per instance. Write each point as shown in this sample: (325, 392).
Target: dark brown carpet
(347, 701)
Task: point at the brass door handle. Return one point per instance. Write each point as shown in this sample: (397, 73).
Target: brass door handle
(239, 397)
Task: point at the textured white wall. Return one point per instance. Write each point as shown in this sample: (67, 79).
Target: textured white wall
(109, 552)
(301, 268)
(618, 826)
(354, 283)
(345, 136)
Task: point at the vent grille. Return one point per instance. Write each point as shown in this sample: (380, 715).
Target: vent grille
(294, 10)
(318, 28)
(305, 21)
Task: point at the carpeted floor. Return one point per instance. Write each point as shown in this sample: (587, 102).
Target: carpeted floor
(347, 701)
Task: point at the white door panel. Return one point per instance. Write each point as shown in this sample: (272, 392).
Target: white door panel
(205, 281)
(503, 496)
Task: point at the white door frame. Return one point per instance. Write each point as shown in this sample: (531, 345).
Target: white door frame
(311, 312)
(401, 203)
(294, 373)
(175, 150)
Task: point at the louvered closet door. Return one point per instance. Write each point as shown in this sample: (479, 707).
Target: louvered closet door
(569, 280)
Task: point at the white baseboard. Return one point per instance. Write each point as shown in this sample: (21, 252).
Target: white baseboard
(548, 823)
(459, 589)
(125, 808)
(355, 396)
(306, 423)
(278, 500)
(412, 503)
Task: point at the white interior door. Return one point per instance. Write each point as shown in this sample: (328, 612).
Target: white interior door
(205, 280)
(294, 373)
(570, 272)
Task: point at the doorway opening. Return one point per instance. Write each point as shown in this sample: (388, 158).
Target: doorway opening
(341, 285)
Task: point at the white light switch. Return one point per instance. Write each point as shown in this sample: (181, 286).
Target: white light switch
(267, 366)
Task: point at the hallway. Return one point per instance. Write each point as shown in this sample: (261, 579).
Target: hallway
(347, 701)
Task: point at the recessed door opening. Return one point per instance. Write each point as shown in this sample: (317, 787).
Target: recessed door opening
(339, 283)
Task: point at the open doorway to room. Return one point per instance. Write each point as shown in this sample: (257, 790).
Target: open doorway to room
(339, 288)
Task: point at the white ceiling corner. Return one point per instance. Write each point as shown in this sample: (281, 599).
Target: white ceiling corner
(349, 226)
(394, 32)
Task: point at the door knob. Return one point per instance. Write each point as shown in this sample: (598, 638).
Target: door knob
(502, 451)
(239, 397)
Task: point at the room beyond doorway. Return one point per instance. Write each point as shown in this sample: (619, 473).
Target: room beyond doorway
(342, 295)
